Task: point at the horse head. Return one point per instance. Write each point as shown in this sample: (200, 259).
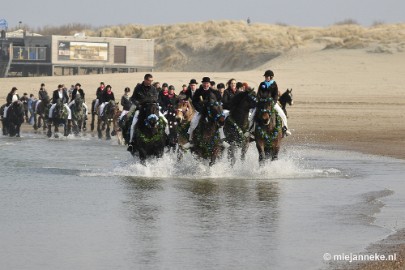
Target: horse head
(287, 97)
(150, 114)
(59, 112)
(214, 112)
(265, 111)
(78, 102)
(185, 111)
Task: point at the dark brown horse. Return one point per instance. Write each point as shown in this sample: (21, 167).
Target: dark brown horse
(15, 117)
(268, 130)
(286, 98)
(59, 117)
(41, 113)
(107, 119)
(237, 123)
(78, 116)
(206, 138)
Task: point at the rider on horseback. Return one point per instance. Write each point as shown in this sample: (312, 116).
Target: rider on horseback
(61, 94)
(42, 95)
(11, 97)
(105, 97)
(199, 100)
(79, 90)
(99, 93)
(143, 93)
(268, 88)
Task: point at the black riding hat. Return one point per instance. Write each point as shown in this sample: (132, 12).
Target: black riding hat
(268, 73)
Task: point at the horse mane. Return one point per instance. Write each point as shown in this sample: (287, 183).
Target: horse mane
(237, 99)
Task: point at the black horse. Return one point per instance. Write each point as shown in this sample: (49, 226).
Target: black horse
(268, 130)
(150, 137)
(41, 113)
(59, 117)
(78, 115)
(104, 121)
(15, 117)
(206, 138)
(286, 98)
(237, 123)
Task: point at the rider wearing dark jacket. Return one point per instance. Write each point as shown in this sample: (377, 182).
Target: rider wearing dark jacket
(107, 95)
(79, 90)
(201, 96)
(229, 93)
(144, 93)
(268, 87)
(58, 93)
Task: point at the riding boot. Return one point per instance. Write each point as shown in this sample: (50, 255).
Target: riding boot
(223, 138)
(286, 132)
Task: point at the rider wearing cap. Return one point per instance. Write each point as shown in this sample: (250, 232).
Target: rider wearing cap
(269, 86)
(199, 98)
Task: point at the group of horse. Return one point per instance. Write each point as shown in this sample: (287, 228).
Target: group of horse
(150, 138)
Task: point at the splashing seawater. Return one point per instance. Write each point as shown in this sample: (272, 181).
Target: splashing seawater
(290, 165)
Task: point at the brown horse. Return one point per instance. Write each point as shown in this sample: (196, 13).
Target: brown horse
(206, 139)
(185, 112)
(268, 130)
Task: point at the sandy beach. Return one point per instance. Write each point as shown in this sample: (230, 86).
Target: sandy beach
(348, 99)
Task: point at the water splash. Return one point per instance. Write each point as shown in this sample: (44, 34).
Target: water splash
(290, 165)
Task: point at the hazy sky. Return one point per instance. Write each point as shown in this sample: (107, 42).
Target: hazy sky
(149, 12)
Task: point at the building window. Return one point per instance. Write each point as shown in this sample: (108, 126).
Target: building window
(120, 55)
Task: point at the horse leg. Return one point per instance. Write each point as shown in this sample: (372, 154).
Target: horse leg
(17, 133)
(56, 130)
(35, 122)
(100, 134)
(5, 126)
(92, 121)
(107, 132)
(231, 154)
(245, 147)
(67, 128)
(83, 125)
(49, 133)
(260, 149)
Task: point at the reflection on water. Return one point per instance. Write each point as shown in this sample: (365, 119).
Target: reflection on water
(85, 204)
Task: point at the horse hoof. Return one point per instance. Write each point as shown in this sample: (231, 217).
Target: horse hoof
(56, 136)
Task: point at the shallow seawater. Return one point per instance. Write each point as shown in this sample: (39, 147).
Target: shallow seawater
(84, 203)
